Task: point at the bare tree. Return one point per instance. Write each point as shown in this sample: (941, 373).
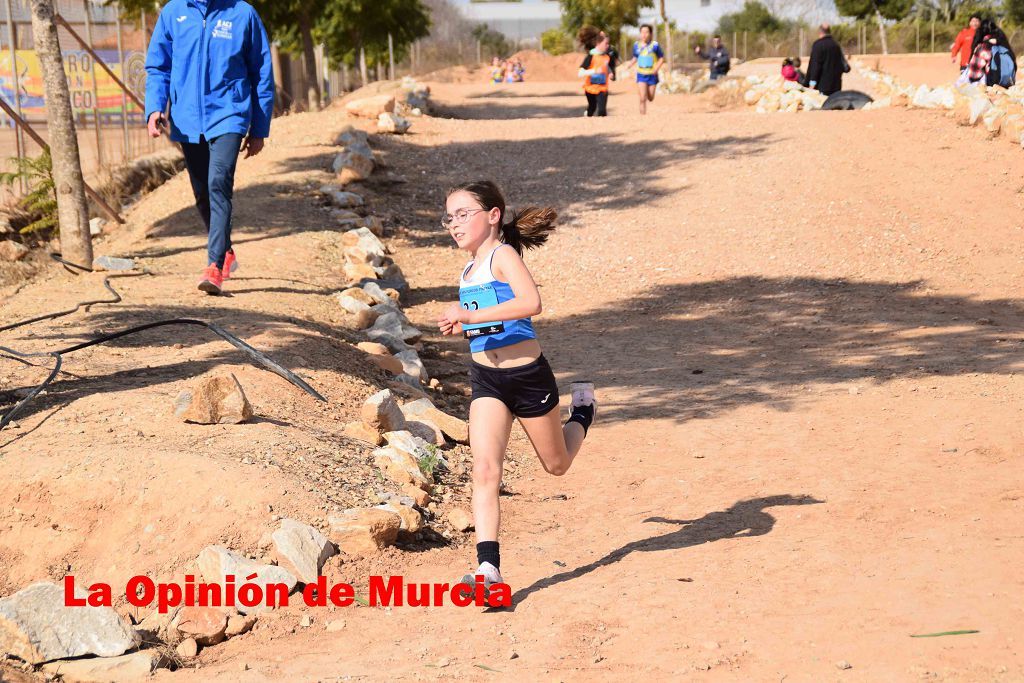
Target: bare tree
(72, 210)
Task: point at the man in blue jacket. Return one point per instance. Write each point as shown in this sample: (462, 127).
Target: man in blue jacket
(211, 60)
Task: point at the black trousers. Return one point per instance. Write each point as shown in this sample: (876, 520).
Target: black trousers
(597, 103)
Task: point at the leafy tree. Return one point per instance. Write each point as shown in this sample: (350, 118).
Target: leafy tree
(880, 10)
(1014, 11)
(556, 42)
(350, 25)
(609, 15)
(754, 17)
(492, 42)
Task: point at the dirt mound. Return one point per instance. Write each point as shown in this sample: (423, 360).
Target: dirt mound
(539, 67)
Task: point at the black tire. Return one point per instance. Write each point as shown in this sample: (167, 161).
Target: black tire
(846, 100)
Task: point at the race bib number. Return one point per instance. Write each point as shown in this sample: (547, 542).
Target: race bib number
(475, 298)
(645, 61)
(598, 79)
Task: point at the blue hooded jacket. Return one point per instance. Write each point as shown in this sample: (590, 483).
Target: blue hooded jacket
(212, 60)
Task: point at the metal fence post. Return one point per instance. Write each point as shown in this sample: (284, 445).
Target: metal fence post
(95, 90)
(124, 96)
(19, 137)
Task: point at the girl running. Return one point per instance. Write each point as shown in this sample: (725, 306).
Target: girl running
(596, 70)
(648, 57)
(509, 375)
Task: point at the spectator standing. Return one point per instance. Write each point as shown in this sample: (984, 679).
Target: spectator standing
(210, 59)
(828, 64)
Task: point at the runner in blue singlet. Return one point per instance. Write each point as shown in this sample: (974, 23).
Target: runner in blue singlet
(509, 375)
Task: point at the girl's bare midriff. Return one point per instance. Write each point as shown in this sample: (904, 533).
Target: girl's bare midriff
(511, 356)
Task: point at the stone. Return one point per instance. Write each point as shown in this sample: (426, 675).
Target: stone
(350, 135)
(363, 532)
(405, 442)
(366, 241)
(387, 362)
(374, 224)
(306, 621)
(360, 295)
(214, 400)
(425, 410)
(336, 625)
(401, 468)
(392, 343)
(371, 107)
(360, 432)
(360, 255)
(399, 285)
(216, 562)
(358, 271)
(397, 325)
(187, 648)
(113, 263)
(418, 495)
(365, 319)
(349, 166)
(157, 626)
(12, 251)
(843, 665)
(412, 365)
(382, 412)
(389, 122)
(460, 519)
(350, 304)
(124, 669)
(204, 624)
(302, 549)
(36, 626)
(375, 292)
(412, 520)
(426, 430)
(96, 226)
(239, 624)
(341, 198)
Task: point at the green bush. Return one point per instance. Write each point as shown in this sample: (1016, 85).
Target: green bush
(40, 204)
(556, 42)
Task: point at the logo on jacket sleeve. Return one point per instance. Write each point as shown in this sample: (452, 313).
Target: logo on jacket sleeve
(182, 18)
(222, 29)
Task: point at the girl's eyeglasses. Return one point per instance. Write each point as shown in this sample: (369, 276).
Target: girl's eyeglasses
(458, 218)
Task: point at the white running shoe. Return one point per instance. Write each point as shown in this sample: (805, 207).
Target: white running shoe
(583, 395)
(490, 574)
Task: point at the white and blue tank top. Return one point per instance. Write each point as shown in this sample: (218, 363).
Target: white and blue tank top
(484, 291)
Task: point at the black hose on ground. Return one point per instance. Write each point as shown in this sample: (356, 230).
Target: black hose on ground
(71, 267)
(257, 357)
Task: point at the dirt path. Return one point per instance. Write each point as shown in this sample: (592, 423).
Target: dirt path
(806, 334)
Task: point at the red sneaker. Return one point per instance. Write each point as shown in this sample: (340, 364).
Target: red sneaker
(230, 264)
(211, 280)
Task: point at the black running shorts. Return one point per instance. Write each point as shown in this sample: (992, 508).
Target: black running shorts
(528, 390)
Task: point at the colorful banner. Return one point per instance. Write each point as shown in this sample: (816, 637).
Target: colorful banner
(78, 65)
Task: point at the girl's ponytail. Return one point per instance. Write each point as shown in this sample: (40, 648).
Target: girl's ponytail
(528, 228)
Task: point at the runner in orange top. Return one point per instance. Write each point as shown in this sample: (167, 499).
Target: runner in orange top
(596, 71)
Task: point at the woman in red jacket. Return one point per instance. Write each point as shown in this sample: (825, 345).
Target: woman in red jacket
(964, 40)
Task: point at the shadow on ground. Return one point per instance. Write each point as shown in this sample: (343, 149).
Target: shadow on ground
(690, 351)
(744, 519)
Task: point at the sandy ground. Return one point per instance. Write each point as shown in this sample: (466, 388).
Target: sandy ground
(805, 330)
